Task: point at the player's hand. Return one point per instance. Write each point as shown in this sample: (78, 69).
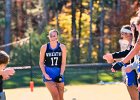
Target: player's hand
(58, 79)
(128, 69)
(108, 57)
(9, 71)
(113, 70)
(5, 75)
(47, 77)
(118, 66)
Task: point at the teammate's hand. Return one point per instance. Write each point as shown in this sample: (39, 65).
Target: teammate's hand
(58, 79)
(108, 57)
(47, 77)
(118, 66)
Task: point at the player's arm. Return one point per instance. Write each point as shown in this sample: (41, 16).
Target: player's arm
(41, 60)
(138, 81)
(63, 65)
(121, 54)
(111, 56)
(133, 52)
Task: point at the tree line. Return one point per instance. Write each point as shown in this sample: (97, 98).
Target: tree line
(88, 28)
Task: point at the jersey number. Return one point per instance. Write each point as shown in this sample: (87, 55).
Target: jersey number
(54, 61)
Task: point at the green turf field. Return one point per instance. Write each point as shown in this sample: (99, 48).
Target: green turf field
(72, 76)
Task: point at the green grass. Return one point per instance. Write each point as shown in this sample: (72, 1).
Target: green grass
(72, 76)
(91, 78)
(108, 77)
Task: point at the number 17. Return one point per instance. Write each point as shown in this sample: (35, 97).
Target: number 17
(54, 61)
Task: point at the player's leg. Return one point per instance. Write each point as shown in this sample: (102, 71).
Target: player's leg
(131, 82)
(60, 87)
(139, 95)
(53, 90)
(133, 92)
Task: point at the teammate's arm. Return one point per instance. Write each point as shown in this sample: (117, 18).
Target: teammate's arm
(110, 57)
(63, 65)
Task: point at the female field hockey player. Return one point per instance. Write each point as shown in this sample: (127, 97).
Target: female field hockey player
(52, 63)
(131, 54)
(131, 77)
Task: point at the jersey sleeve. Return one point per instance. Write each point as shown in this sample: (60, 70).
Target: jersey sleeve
(121, 54)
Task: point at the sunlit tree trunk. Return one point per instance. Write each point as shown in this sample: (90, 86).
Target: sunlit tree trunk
(19, 4)
(7, 24)
(56, 14)
(101, 43)
(29, 18)
(73, 33)
(2, 21)
(118, 5)
(91, 34)
(42, 23)
(79, 32)
(30, 31)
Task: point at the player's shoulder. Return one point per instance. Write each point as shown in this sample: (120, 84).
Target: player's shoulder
(44, 46)
(62, 45)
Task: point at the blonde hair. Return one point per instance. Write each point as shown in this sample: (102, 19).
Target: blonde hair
(132, 20)
(53, 30)
(137, 21)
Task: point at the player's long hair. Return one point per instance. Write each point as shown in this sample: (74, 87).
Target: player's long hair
(136, 33)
